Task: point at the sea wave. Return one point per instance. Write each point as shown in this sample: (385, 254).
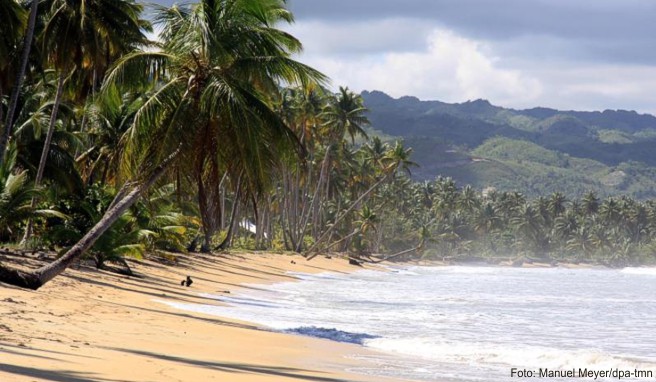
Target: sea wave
(331, 334)
(458, 269)
(639, 271)
(519, 356)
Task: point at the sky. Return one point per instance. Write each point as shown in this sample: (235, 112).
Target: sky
(565, 54)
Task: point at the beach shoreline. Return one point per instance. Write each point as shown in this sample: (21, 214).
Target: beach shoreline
(91, 325)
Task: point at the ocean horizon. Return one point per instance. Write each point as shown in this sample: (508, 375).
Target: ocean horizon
(469, 323)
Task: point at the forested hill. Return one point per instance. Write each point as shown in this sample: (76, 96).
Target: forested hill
(536, 151)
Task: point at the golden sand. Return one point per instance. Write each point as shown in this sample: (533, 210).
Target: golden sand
(90, 325)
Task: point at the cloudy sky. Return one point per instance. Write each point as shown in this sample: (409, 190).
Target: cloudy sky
(567, 54)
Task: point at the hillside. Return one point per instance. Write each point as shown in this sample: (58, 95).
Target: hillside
(535, 151)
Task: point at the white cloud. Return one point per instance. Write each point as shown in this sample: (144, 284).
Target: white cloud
(452, 68)
(394, 34)
(449, 68)
(597, 87)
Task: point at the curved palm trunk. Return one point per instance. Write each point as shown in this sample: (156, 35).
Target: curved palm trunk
(345, 238)
(398, 254)
(27, 45)
(309, 254)
(125, 198)
(44, 153)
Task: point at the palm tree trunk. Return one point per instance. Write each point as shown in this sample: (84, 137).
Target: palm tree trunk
(51, 129)
(222, 202)
(309, 255)
(124, 200)
(379, 233)
(314, 205)
(345, 238)
(1, 116)
(390, 257)
(27, 45)
(233, 218)
(44, 153)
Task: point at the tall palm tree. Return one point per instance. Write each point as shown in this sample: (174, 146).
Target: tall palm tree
(224, 62)
(346, 115)
(11, 28)
(13, 19)
(85, 35)
(11, 15)
(219, 62)
(395, 160)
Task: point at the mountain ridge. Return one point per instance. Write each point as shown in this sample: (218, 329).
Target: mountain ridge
(463, 140)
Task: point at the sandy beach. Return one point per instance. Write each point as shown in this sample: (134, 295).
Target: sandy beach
(91, 325)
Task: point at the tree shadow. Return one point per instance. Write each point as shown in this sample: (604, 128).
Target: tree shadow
(51, 375)
(24, 354)
(183, 296)
(193, 317)
(231, 367)
(19, 350)
(247, 269)
(326, 269)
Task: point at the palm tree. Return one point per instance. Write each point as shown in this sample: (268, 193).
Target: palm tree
(610, 210)
(486, 219)
(10, 15)
(302, 109)
(566, 224)
(468, 199)
(109, 118)
(15, 195)
(396, 159)
(556, 204)
(31, 122)
(529, 222)
(346, 115)
(86, 35)
(224, 61)
(221, 60)
(590, 203)
(11, 28)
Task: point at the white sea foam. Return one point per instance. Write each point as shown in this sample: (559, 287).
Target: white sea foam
(639, 271)
(515, 355)
(465, 323)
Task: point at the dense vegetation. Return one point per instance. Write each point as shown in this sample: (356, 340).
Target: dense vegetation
(537, 151)
(494, 226)
(116, 145)
(213, 137)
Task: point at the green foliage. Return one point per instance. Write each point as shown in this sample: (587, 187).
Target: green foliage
(535, 151)
(465, 224)
(153, 224)
(304, 166)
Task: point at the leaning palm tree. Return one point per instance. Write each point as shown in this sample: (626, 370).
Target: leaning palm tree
(219, 63)
(396, 159)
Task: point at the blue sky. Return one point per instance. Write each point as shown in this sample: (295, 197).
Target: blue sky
(566, 54)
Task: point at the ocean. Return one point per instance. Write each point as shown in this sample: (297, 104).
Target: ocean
(470, 323)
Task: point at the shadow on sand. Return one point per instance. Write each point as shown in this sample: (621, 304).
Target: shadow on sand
(231, 367)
